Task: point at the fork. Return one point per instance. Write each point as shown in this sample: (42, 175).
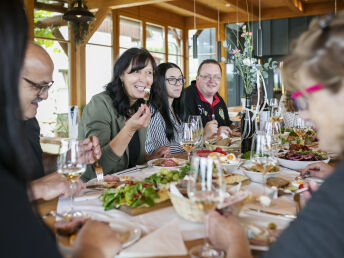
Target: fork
(54, 214)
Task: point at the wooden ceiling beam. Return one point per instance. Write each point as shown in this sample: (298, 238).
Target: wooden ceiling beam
(294, 5)
(202, 11)
(94, 25)
(243, 8)
(50, 7)
(118, 4)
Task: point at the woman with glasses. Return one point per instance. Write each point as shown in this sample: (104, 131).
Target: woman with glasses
(166, 120)
(315, 74)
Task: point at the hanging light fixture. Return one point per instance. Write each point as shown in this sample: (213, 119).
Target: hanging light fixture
(78, 13)
(194, 37)
(259, 35)
(218, 33)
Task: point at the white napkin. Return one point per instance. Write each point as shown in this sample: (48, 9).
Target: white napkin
(165, 241)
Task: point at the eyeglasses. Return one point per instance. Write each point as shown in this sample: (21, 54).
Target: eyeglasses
(208, 77)
(41, 87)
(300, 99)
(174, 81)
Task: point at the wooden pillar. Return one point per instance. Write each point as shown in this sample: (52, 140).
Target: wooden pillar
(185, 55)
(144, 34)
(166, 42)
(77, 73)
(115, 36)
(223, 87)
(29, 6)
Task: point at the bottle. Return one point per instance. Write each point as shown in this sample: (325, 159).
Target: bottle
(248, 128)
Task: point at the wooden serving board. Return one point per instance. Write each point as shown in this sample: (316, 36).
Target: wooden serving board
(144, 209)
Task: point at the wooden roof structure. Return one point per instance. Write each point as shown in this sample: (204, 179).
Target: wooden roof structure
(182, 14)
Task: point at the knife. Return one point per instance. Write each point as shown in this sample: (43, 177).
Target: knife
(290, 216)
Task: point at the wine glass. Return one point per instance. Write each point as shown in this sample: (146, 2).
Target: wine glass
(300, 128)
(262, 154)
(188, 137)
(206, 189)
(276, 114)
(71, 163)
(273, 128)
(197, 122)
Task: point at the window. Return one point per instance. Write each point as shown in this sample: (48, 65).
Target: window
(206, 49)
(51, 32)
(155, 43)
(130, 33)
(175, 46)
(99, 59)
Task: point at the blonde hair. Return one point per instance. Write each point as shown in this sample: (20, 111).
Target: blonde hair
(321, 51)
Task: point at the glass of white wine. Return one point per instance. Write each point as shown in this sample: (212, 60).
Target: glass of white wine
(262, 154)
(188, 138)
(197, 122)
(206, 188)
(273, 129)
(71, 163)
(300, 128)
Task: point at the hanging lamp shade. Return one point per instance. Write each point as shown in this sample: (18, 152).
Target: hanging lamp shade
(78, 13)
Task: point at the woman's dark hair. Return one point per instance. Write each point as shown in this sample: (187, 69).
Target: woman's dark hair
(13, 41)
(139, 58)
(177, 104)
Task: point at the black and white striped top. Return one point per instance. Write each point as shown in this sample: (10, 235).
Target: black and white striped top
(156, 135)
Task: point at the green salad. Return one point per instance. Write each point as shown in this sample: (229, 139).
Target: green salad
(132, 194)
(165, 175)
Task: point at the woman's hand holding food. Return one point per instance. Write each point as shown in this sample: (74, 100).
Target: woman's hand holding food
(139, 120)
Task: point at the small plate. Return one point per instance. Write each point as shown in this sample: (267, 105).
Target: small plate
(157, 162)
(297, 164)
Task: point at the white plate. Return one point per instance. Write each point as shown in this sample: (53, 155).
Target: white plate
(129, 232)
(181, 162)
(263, 222)
(297, 164)
(257, 177)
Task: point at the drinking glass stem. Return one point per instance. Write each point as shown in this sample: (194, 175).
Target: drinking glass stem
(188, 156)
(206, 228)
(71, 196)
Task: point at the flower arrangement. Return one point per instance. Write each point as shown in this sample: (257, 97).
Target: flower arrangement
(246, 65)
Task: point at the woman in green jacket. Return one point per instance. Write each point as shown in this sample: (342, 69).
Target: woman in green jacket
(119, 116)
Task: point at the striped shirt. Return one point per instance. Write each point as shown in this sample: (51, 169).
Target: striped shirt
(156, 135)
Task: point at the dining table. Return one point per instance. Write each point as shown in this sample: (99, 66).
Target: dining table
(164, 227)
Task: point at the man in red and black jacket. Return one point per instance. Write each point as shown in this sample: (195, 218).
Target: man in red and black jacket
(201, 98)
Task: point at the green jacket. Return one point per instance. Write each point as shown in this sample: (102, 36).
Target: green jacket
(101, 119)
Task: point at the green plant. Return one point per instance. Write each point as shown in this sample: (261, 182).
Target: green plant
(61, 129)
(245, 63)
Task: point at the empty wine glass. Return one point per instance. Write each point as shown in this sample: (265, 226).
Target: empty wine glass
(206, 189)
(188, 137)
(71, 163)
(197, 122)
(273, 128)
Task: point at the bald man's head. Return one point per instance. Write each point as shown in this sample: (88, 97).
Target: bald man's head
(37, 72)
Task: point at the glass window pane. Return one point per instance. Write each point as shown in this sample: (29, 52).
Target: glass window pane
(175, 41)
(103, 35)
(206, 49)
(98, 69)
(58, 100)
(178, 60)
(155, 38)
(130, 33)
(158, 57)
(50, 25)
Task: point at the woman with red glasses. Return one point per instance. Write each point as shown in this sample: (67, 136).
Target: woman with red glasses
(315, 74)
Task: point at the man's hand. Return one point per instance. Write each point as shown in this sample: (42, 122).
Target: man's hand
(226, 233)
(161, 152)
(210, 129)
(52, 186)
(97, 239)
(224, 130)
(318, 169)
